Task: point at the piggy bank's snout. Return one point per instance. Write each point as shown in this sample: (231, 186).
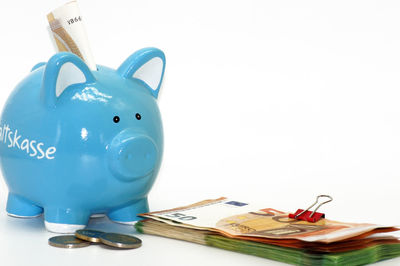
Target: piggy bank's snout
(132, 156)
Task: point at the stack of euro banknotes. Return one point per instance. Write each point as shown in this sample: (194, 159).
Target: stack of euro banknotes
(269, 233)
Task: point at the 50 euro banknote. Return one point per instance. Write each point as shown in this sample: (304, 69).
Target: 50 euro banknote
(242, 220)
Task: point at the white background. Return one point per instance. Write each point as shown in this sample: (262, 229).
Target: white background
(263, 101)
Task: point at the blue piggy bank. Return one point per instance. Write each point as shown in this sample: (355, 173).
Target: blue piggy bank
(76, 142)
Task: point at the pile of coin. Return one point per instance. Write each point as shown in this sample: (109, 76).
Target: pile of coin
(85, 237)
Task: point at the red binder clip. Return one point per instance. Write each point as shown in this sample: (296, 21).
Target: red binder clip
(309, 216)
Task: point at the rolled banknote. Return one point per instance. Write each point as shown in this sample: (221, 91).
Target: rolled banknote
(66, 24)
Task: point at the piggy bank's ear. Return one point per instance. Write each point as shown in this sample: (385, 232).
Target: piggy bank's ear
(62, 70)
(147, 65)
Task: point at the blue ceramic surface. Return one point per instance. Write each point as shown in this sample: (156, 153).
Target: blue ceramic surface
(72, 149)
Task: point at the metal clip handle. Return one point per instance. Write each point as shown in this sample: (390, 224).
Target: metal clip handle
(320, 196)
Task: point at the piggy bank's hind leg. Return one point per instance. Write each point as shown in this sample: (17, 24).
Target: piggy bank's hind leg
(20, 207)
(65, 220)
(128, 214)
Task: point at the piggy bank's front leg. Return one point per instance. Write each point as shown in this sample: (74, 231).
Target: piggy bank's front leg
(20, 207)
(128, 213)
(65, 220)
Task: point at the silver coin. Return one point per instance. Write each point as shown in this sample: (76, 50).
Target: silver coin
(67, 241)
(89, 235)
(120, 240)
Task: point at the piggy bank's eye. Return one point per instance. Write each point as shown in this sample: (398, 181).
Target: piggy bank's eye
(116, 119)
(138, 116)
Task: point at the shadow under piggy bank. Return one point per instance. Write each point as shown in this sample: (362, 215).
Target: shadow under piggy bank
(76, 142)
